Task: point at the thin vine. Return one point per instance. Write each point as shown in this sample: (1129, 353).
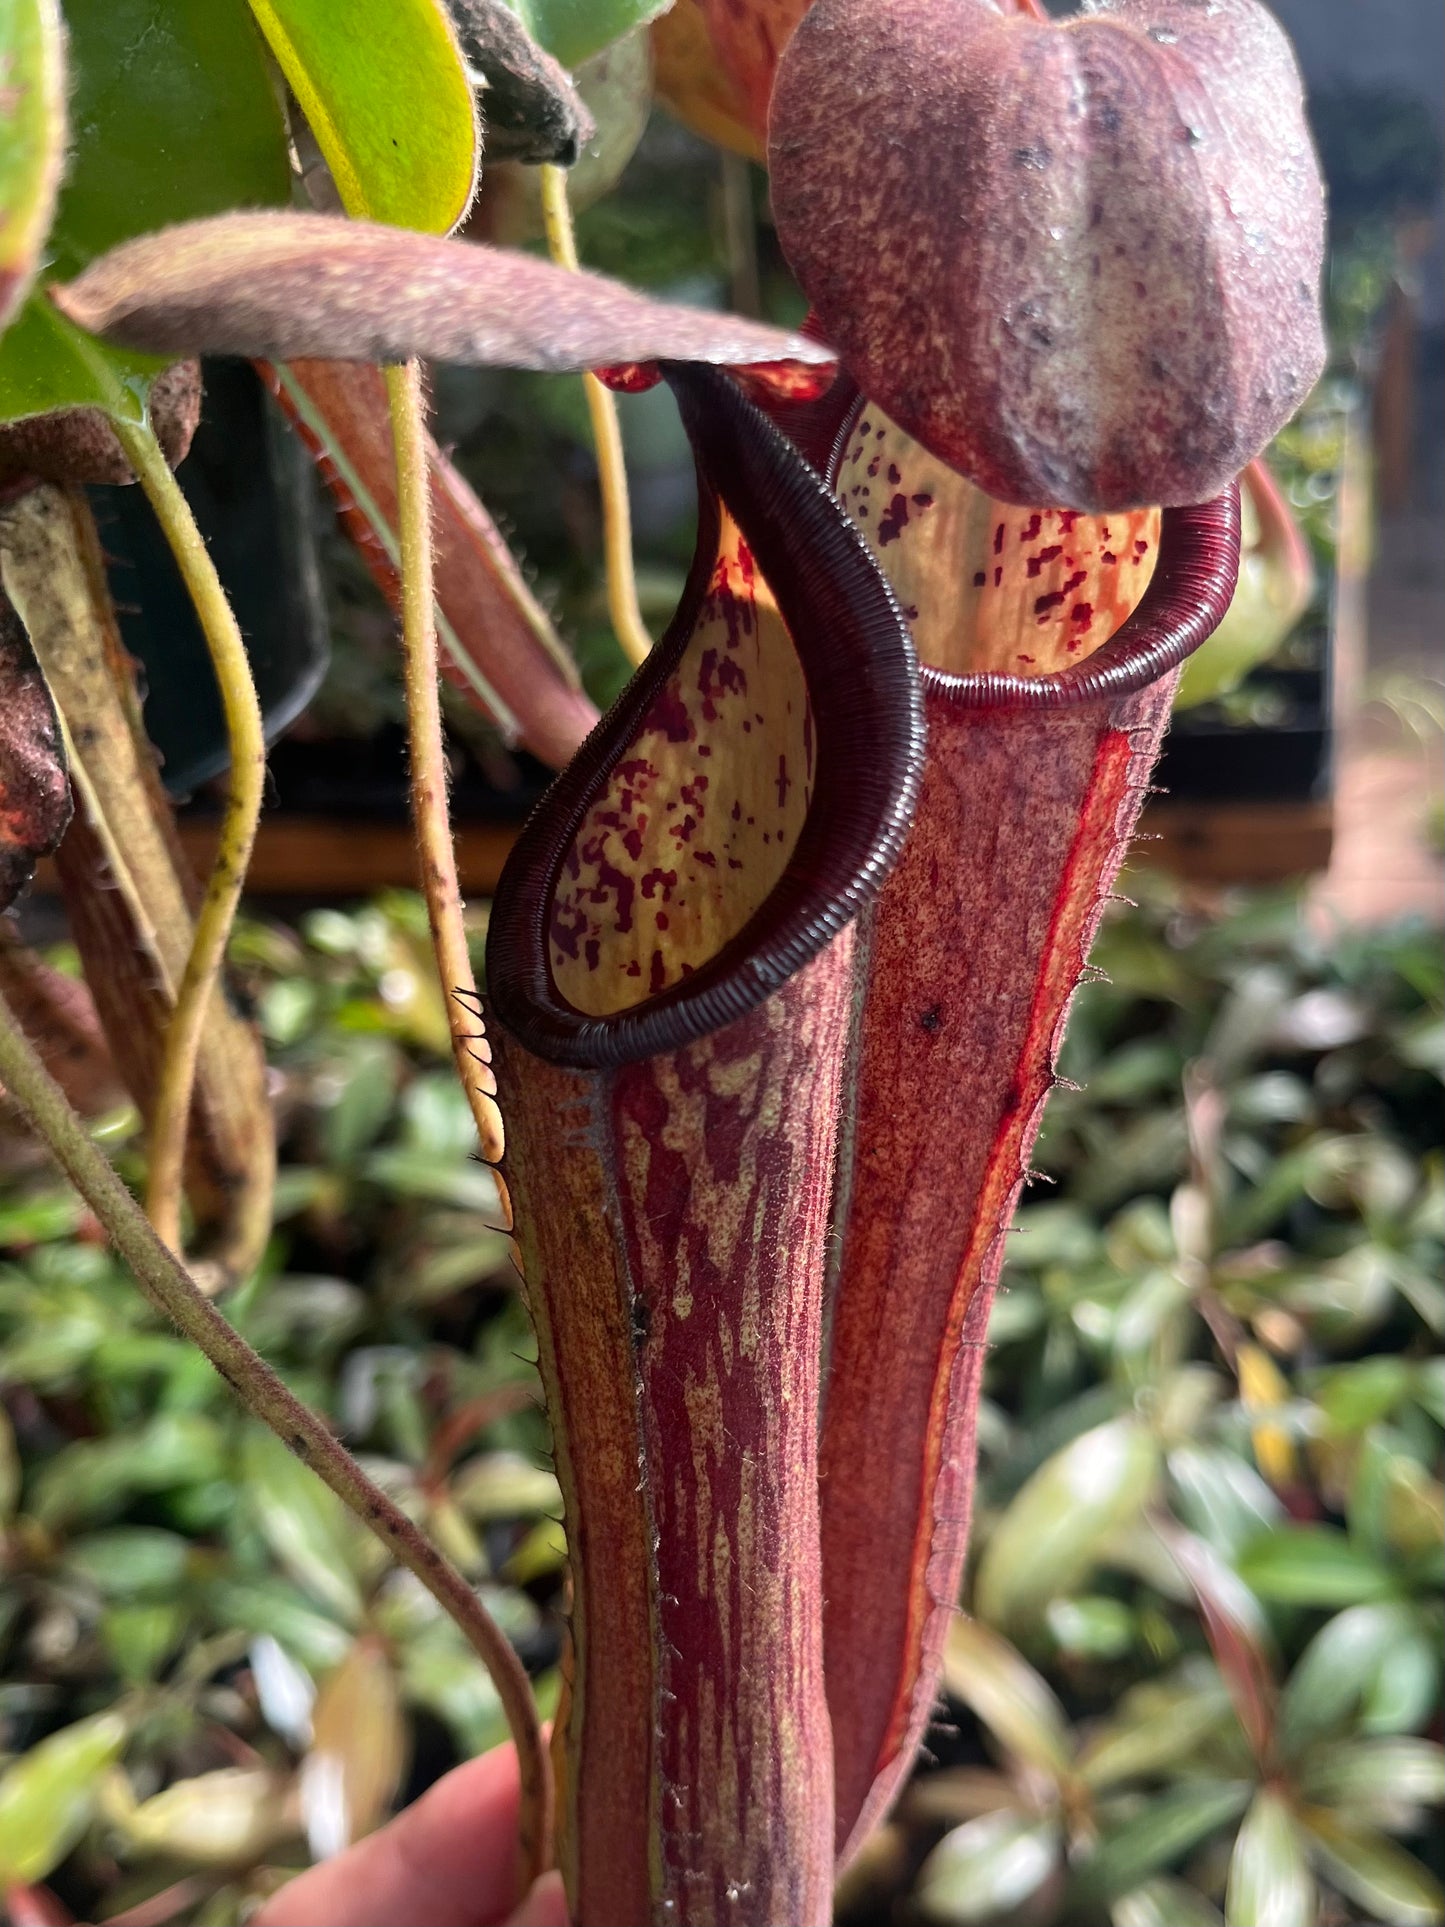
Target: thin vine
(172, 1291)
(622, 605)
(171, 1118)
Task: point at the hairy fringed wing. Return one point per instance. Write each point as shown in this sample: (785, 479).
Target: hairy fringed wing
(748, 792)
(1049, 643)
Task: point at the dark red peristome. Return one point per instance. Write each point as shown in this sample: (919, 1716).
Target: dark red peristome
(966, 967)
(861, 676)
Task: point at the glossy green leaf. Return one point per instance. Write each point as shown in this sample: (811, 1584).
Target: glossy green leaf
(1339, 1665)
(1165, 1903)
(1057, 1526)
(48, 1795)
(1390, 1884)
(1164, 1831)
(94, 1479)
(574, 30)
(1221, 1497)
(384, 90)
(1377, 1782)
(1269, 1877)
(1312, 1566)
(305, 1524)
(31, 48)
(987, 1867)
(174, 116)
(1013, 1701)
(504, 1485)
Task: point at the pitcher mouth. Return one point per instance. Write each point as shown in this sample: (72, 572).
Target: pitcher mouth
(1193, 583)
(866, 717)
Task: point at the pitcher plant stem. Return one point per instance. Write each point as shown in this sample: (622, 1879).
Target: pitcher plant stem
(622, 606)
(430, 816)
(242, 708)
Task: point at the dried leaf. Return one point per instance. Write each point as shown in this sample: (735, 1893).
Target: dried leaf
(129, 893)
(289, 285)
(497, 642)
(34, 788)
(530, 109)
(358, 1750)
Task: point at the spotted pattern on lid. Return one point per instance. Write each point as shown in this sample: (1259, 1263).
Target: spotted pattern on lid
(698, 819)
(987, 586)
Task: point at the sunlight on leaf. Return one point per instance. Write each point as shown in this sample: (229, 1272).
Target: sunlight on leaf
(384, 90)
(48, 1796)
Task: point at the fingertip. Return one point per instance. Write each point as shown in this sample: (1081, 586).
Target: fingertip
(545, 1905)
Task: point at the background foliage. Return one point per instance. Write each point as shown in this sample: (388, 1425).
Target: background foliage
(1207, 1579)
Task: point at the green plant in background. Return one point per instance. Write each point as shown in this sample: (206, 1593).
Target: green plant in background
(266, 1677)
(1212, 1508)
(1204, 1650)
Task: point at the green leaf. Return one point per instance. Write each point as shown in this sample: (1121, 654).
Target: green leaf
(305, 1524)
(1156, 1724)
(574, 30)
(1390, 1884)
(1011, 1699)
(1165, 1903)
(130, 1560)
(384, 90)
(1312, 1566)
(1058, 1524)
(174, 117)
(1342, 1665)
(987, 1867)
(1222, 1498)
(48, 1795)
(1269, 1875)
(1379, 1782)
(1164, 1831)
(32, 52)
(140, 1638)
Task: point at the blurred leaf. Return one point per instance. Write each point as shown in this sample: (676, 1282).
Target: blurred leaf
(48, 1795)
(1382, 1878)
(141, 1638)
(544, 1550)
(1094, 1627)
(1163, 1832)
(1337, 1667)
(413, 1174)
(504, 1485)
(271, 1605)
(1165, 1903)
(1269, 1876)
(1053, 1533)
(285, 1690)
(1379, 1782)
(1312, 1566)
(987, 1867)
(130, 1560)
(1263, 1390)
(1221, 1497)
(384, 90)
(304, 1523)
(440, 1672)
(987, 1674)
(1155, 1725)
(227, 1818)
(357, 1753)
(95, 1478)
(573, 30)
(357, 1095)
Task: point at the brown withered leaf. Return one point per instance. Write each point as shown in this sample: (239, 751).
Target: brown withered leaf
(530, 109)
(34, 786)
(283, 286)
(79, 446)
